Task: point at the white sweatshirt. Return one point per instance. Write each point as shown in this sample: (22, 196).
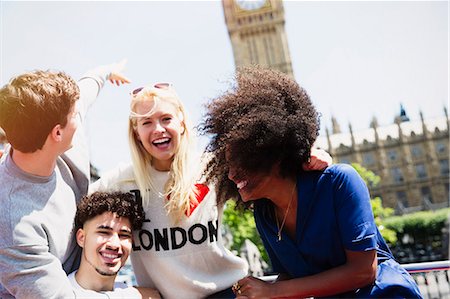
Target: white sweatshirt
(181, 260)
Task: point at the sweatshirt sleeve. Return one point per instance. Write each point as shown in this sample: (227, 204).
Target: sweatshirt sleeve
(77, 158)
(114, 180)
(90, 85)
(31, 271)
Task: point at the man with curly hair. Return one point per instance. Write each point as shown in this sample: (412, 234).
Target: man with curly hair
(104, 223)
(317, 227)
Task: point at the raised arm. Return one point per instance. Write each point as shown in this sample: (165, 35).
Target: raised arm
(93, 80)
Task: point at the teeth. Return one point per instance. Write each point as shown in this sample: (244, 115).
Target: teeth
(241, 184)
(162, 140)
(110, 256)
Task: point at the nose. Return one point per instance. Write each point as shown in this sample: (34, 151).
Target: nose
(114, 241)
(159, 127)
(231, 172)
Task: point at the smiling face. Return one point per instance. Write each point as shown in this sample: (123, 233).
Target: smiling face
(250, 186)
(106, 243)
(160, 132)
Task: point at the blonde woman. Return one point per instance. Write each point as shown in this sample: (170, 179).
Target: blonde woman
(179, 249)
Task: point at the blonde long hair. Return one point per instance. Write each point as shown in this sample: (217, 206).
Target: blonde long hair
(180, 188)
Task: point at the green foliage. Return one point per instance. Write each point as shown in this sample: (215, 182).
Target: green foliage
(368, 176)
(242, 226)
(379, 212)
(420, 225)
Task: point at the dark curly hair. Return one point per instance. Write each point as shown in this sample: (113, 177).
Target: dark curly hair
(265, 119)
(123, 204)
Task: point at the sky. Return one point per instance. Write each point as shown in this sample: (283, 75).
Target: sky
(356, 59)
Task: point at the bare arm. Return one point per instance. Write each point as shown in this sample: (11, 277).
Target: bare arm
(358, 271)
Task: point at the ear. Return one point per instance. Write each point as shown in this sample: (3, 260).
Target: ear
(80, 236)
(182, 128)
(56, 133)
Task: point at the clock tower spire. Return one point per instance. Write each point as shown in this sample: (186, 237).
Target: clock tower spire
(256, 29)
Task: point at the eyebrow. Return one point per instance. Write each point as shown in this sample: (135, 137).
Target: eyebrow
(126, 230)
(101, 226)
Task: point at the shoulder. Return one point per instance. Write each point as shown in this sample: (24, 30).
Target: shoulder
(335, 178)
(116, 178)
(123, 291)
(339, 169)
(122, 171)
(72, 280)
(341, 172)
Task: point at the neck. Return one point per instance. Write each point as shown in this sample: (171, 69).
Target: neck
(162, 165)
(38, 163)
(90, 279)
(284, 191)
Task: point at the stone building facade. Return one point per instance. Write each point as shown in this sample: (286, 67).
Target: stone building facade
(411, 158)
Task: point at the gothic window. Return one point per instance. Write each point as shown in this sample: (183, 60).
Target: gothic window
(392, 155)
(368, 159)
(421, 171)
(443, 165)
(426, 194)
(402, 200)
(441, 147)
(416, 151)
(397, 175)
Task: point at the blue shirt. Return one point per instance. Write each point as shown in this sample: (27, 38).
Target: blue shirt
(333, 215)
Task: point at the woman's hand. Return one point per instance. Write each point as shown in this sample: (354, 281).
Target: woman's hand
(252, 287)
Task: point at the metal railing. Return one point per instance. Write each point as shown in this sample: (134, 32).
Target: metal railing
(432, 278)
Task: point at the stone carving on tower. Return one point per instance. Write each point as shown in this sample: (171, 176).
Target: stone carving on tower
(258, 37)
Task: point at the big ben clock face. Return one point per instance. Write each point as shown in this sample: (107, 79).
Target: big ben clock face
(251, 4)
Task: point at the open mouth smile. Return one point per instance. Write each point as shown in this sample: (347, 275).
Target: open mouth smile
(162, 142)
(241, 184)
(110, 258)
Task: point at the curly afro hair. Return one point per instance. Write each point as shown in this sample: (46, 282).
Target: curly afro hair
(265, 119)
(123, 204)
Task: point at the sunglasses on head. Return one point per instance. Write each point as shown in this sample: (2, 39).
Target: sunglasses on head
(135, 92)
(162, 85)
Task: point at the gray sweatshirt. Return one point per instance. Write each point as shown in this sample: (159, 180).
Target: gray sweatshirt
(37, 244)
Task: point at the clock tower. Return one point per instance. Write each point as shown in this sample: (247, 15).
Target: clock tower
(257, 34)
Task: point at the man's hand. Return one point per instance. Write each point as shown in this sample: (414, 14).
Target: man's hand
(116, 76)
(319, 160)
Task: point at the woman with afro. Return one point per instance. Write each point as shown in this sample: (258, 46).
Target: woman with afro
(317, 227)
